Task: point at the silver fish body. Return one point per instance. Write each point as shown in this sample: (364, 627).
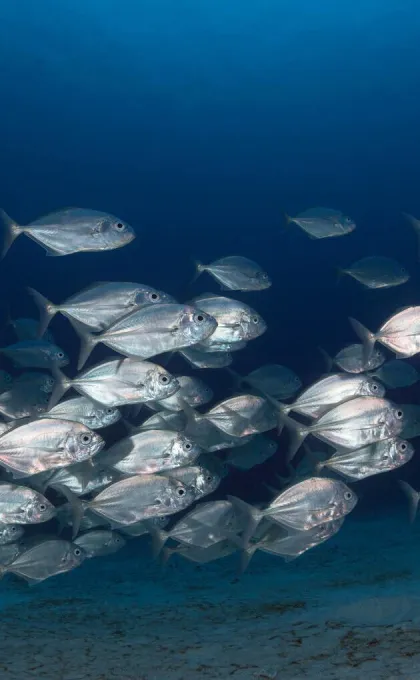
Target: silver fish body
(323, 223)
(243, 415)
(237, 273)
(48, 558)
(350, 359)
(36, 354)
(83, 410)
(376, 458)
(100, 542)
(377, 272)
(191, 389)
(84, 478)
(20, 505)
(236, 321)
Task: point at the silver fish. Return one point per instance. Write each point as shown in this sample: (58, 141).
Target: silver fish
(9, 552)
(23, 401)
(150, 331)
(350, 425)
(332, 390)
(236, 321)
(141, 497)
(83, 478)
(397, 373)
(276, 380)
(202, 359)
(151, 451)
(118, 382)
(303, 505)
(191, 389)
(400, 333)
(20, 505)
(10, 533)
(100, 305)
(35, 354)
(242, 415)
(350, 359)
(203, 478)
(323, 223)
(377, 272)
(45, 560)
(296, 543)
(236, 273)
(46, 444)
(100, 542)
(85, 411)
(71, 230)
(370, 460)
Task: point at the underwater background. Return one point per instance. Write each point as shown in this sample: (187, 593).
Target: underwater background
(201, 123)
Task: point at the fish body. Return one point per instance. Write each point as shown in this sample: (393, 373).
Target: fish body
(377, 272)
(48, 558)
(276, 380)
(236, 273)
(236, 321)
(350, 359)
(321, 223)
(150, 331)
(400, 333)
(100, 542)
(83, 410)
(396, 373)
(191, 389)
(382, 456)
(35, 354)
(20, 505)
(9, 533)
(83, 478)
(72, 230)
(243, 415)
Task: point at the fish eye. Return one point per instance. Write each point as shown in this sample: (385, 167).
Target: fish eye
(255, 319)
(399, 414)
(180, 491)
(154, 296)
(42, 507)
(348, 495)
(86, 438)
(209, 479)
(403, 446)
(199, 318)
(375, 387)
(109, 411)
(120, 226)
(187, 446)
(77, 552)
(60, 355)
(164, 379)
(13, 529)
(50, 382)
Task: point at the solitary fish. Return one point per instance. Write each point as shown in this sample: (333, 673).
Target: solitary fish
(400, 333)
(72, 230)
(323, 223)
(150, 331)
(370, 460)
(236, 273)
(377, 272)
(100, 305)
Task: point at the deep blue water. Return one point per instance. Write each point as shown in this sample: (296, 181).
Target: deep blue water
(201, 123)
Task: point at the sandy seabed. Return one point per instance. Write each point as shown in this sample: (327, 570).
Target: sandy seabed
(347, 609)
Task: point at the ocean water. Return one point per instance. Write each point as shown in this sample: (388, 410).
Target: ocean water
(201, 122)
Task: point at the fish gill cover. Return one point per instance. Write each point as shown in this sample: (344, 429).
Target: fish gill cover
(209, 341)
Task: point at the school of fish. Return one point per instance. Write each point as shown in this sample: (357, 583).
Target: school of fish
(70, 490)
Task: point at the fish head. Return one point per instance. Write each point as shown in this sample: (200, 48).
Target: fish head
(37, 509)
(116, 541)
(376, 360)
(106, 416)
(252, 325)
(184, 450)
(344, 222)
(194, 325)
(114, 232)
(55, 356)
(9, 533)
(371, 388)
(47, 384)
(261, 280)
(152, 297)
(81, 443)
(392, 420)
(175, 496)
(73, 556)
(399, 453)
(343, 500)
(206, 481)
(159, 383)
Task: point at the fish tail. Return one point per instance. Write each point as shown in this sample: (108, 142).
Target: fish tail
(253, 516)
(47, 310)
(413, 497)
(87, 342)
(3, 570)
(159, 538)
(298, 434)
(11, 231)
(62, 384)
(366, 336)
(320, 466)
(199, 268)
(246, 556)
(77, 506)
(329, 361)
(288, 219)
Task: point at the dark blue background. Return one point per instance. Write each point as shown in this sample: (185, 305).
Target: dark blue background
(200, 123)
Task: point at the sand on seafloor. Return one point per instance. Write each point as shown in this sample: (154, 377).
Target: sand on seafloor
(347, 609)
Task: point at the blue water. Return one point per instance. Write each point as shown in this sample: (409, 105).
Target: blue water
(201, 123)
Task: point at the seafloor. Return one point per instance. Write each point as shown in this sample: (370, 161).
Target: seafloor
(347, 609)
